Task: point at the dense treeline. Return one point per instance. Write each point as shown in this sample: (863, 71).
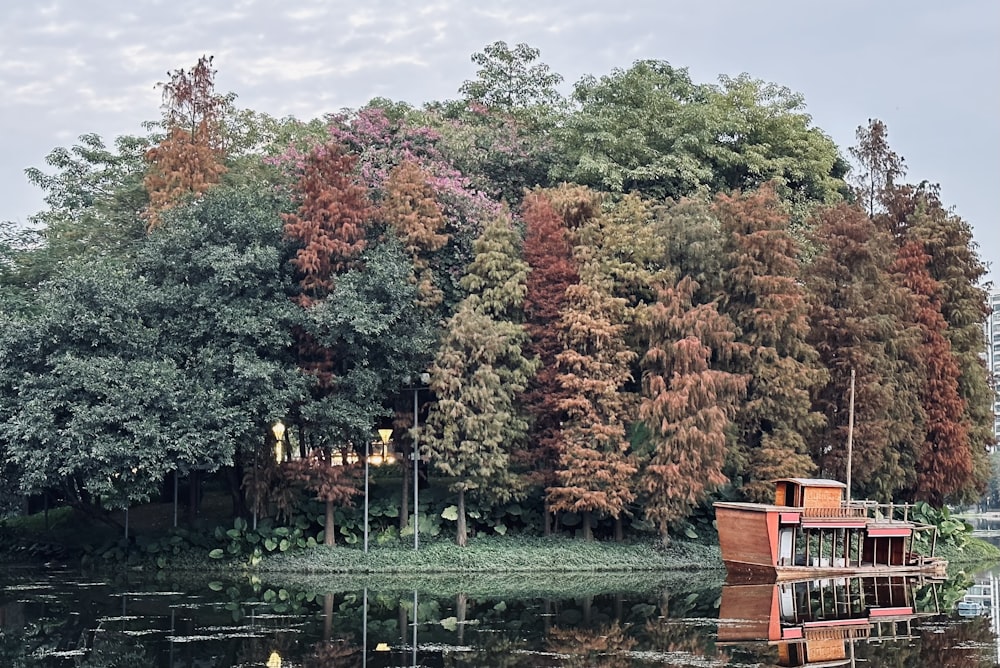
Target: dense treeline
(624, 303)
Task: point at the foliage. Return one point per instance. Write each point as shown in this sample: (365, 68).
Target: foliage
(507, 80)
(189, 160)
(688, 402)
(951, 530)
(766, 301)
(479, 370)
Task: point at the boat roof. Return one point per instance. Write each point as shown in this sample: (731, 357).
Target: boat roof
(813, 482)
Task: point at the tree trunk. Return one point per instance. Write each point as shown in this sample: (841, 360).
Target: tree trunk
(192, 509)
(327, 615)
(588, 534)
(404, 505)
(460, 533)
(619, 529)
(461, 605)
(547, 518)
(328, 535)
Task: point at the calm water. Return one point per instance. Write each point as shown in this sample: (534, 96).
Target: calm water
(64, 618)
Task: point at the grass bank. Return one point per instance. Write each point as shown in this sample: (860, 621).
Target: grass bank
(501, 554)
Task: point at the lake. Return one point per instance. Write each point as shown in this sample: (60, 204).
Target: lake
(64, 618)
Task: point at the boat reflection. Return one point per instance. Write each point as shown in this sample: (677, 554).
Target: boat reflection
(818, 622)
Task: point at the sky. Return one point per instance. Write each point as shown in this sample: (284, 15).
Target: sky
(929, 69)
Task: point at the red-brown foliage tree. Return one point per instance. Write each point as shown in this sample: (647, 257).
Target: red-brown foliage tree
(944, 463)
(687, 403)
(766, 302)
(190, 159)
(547, 250)
(331, 222)
(858, 322)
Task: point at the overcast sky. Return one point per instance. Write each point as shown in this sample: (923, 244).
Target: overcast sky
(929, 69)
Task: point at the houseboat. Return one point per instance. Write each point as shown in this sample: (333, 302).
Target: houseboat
(811, 530)
(819, 622)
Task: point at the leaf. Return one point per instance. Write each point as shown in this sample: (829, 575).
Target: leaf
(216, 554)
(450, 513)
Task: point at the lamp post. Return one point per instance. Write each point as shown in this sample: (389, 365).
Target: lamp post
(425, 378)
(278, 429)
(384, 434)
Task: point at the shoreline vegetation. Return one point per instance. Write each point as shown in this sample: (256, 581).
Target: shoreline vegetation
(67, 537)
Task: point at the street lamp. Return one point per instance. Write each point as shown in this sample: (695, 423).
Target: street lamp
(384, 434)
(278, 429)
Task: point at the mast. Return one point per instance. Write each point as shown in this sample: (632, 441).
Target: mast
(850, 435)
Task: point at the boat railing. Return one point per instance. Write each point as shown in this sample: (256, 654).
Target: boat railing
(818, 512)
(889, 512)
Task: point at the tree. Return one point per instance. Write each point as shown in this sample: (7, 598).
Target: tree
(92, 201)
(375, 338)
(595, 472)
(548, 253)
(125, 369)
(479, 370)
(857, 316)
(507, 79)
(915, 213)
(687, 403)
(766, 301)
(190, 159)
(944, 462)
(651, 129)
(878, 166)
(411, 209)
(331, 222)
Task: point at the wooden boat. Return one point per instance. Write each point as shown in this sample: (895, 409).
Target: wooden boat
(812, 531)
(817, 622)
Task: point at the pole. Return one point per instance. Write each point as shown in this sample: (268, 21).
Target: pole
(850, 436)
(364, 633)
(175, 498)
(368, 447)
(414, 627)
(416, 462)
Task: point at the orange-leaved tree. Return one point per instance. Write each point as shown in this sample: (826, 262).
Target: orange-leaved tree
(688, 401)
(191, 158)
(766, 301)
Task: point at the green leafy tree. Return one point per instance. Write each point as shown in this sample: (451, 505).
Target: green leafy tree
(478, 373)
(177, 359)
(92, 203)
(688, 402)
(766, 301)
(508, 80)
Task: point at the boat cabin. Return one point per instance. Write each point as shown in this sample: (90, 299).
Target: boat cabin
(809, 493)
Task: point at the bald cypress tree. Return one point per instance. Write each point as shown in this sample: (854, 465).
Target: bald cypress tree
(552, 270)
(916, 214)
(190, 159)
(594, 472)
(688, 402)
(944, 461)
(479, 370)
(411, 209)
(766, 301)
(857, 315)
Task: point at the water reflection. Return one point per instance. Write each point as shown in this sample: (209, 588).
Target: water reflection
(64, 619)
(819, 622)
